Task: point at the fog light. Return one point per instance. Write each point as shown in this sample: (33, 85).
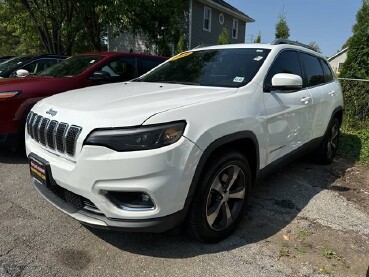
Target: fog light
(130, 200)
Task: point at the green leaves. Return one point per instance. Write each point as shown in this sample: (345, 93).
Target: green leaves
(69, 26)
(281, 28)
(357, 62)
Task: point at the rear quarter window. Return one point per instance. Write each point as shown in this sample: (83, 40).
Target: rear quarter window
(328, 75)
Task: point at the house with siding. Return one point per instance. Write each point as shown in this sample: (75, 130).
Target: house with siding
(206, 21)
(337, 60)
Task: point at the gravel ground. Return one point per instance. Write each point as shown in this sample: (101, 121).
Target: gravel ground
(305, 220)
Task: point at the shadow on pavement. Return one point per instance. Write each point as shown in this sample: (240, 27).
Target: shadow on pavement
(275, 204)
(9, 157)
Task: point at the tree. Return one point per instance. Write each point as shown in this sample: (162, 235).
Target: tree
(258, 38)
(223, 37)
(281, 28)
(162, 21)
(181, 47)
(313, 45)
(357, 62)
(56, 23)
(20, 37)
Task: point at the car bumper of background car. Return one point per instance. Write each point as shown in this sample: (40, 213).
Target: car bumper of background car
(83, 189)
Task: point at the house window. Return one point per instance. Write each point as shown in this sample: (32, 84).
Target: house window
(340, 66)
(235, 28)
(207, 19)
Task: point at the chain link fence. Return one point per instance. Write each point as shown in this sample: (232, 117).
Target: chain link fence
(356, 101)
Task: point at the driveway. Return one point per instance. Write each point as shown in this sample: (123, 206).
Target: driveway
(305, 220)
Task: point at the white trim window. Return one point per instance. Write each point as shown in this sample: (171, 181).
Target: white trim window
(235, 28)
(207, 19)
(340, 65)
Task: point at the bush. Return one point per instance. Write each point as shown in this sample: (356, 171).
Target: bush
(356, 101)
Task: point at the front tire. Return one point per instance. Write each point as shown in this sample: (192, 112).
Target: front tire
(223, 196)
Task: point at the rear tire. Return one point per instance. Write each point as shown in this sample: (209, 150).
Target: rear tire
(328, 148)
(222, 198)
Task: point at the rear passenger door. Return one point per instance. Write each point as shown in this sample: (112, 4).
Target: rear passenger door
(320, 87)
(288, 122)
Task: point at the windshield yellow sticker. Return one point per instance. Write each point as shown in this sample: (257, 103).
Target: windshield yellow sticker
(180, 56)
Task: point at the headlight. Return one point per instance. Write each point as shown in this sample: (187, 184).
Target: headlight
(9, 94)
(140, 138)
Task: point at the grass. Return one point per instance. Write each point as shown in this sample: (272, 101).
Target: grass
(354, 145)
(303, 234)
(329, 254)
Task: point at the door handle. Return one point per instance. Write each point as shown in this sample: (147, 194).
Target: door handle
(305, 99)
(332, 93)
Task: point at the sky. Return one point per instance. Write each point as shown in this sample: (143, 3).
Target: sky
(327, 22)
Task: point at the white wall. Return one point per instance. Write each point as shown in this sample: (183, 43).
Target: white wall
(337, 60)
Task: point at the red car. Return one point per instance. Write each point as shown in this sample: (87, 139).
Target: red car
(18, 95)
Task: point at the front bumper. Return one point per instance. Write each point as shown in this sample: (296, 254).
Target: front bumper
(165, 174)
(100, 221)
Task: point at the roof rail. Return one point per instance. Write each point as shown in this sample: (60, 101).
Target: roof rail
(287, 41)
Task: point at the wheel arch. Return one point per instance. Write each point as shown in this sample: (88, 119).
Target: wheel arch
(245, 142)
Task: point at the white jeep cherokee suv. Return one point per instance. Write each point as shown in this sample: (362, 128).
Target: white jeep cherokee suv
(185, 142)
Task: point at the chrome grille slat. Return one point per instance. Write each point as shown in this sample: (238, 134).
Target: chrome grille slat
(50, 134)
(60, 137)
(71, 139)
(35, 127)
(57, 136)
(29, 120)
(42, 131)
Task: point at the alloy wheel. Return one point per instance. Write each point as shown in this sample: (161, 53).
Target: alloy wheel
(333, 141)
(226, 197)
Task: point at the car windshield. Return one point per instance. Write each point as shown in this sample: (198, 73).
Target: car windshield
(71, 67)
(216, 67)
(13, 62)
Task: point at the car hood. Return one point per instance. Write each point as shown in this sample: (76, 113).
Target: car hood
(124, 104)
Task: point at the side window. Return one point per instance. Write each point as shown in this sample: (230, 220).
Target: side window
(286, 62)
(39, 65)
(313, 70)
(146, 64)
(121, 69)
(327, 71)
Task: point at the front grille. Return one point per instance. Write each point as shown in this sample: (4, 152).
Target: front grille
(75, 200)
(55, 135)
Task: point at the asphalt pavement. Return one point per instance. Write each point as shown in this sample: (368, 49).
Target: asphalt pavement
(296, 226)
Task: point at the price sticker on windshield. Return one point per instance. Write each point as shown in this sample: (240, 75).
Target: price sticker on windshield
(180, 56)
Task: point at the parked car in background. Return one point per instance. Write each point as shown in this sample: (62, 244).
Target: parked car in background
(4, 58)
(33, 64)
(18, 95)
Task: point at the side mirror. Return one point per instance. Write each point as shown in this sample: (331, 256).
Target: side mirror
(100, 76)
(285, 82)
(21, 73)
